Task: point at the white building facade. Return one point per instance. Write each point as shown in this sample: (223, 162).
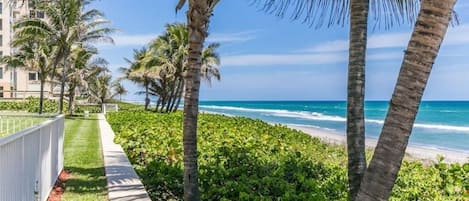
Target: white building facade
(17, 82)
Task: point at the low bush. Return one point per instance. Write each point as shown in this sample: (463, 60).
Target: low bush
(31, 105)
(246, 159)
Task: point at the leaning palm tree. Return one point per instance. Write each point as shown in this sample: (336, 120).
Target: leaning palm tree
(198, 18)
(422, 50)
(335, 12)
(375, 186)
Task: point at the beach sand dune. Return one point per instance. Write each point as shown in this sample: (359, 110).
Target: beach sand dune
(414, 152)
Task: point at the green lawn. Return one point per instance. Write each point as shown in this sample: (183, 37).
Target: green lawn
(83, 157)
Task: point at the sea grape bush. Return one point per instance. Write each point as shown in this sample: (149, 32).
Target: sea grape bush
(246, 159)
(31, 105)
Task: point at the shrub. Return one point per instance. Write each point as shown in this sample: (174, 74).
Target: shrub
(246, 159)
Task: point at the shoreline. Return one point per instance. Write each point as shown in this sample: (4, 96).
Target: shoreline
(413, 152)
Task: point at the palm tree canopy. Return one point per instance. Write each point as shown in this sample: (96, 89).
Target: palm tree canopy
(319, 13)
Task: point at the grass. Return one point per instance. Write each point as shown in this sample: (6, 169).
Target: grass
(12, 124)
(83, 158)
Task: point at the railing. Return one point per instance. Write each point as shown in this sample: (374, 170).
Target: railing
(16, 94)
(31, 161)
(10, 124)
(108, 107)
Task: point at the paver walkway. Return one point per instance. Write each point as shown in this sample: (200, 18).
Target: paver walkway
(122, 182)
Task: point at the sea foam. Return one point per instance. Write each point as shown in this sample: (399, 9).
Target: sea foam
(323, 117)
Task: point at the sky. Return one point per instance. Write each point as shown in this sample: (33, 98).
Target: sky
(264, 57)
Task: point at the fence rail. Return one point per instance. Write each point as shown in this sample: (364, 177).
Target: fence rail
(10, 124)
(31, 160)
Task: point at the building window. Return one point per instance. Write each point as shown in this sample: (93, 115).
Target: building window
(32, 76)
(1, 7)
(1, 24)
(40, 14)
(1, 40)
(1, 73)
(1, 92)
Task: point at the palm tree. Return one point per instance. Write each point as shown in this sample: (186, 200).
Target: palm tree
(119, 89)
(66, 24)
(100, 88)
(32, 54)
(331, 12)
(422, 50)
(139, 72)
(198, 18)
(84, 66)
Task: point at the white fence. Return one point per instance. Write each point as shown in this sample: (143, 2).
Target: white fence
(10, 124)
(107, 107)
(31, 161)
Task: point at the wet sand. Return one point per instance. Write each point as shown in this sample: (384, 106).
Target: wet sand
(413, 152)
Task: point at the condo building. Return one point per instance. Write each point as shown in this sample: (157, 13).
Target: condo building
(17, 82)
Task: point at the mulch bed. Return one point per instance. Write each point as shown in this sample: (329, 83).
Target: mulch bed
(59, 187)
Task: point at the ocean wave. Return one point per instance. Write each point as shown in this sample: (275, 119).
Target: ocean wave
(282, 113)
(429, 126)
(322, 117)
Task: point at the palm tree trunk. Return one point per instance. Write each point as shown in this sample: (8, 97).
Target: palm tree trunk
(171, 96)
(158, 102)
(422, 50)
(356, 95)
(197, 21)
(177, 96)
(71, 102)
(147, 100)
(62, 89)
(41, 94)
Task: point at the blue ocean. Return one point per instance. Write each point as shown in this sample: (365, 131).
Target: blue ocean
(439, 124)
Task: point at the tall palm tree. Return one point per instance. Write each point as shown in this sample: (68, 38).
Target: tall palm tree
(356, 94)
(66, 24)
(422, 50)
(198, 18)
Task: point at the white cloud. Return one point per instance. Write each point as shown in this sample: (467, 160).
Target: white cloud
(134, 40)
(232, 37)
(144, 39)
(455, 36)
(281, 59)
(297, 59)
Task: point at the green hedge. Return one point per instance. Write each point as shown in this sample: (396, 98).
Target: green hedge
(90, 108)
(123, 106)
(31, 105)
(246, 159)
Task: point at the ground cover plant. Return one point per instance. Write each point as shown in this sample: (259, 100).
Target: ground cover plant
(246, 159)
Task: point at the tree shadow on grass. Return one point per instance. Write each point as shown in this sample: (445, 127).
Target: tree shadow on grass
(86, 180)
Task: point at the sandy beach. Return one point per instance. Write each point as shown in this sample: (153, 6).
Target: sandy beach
(414, 152)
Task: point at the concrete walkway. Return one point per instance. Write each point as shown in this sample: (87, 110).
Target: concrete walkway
(122, 182)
